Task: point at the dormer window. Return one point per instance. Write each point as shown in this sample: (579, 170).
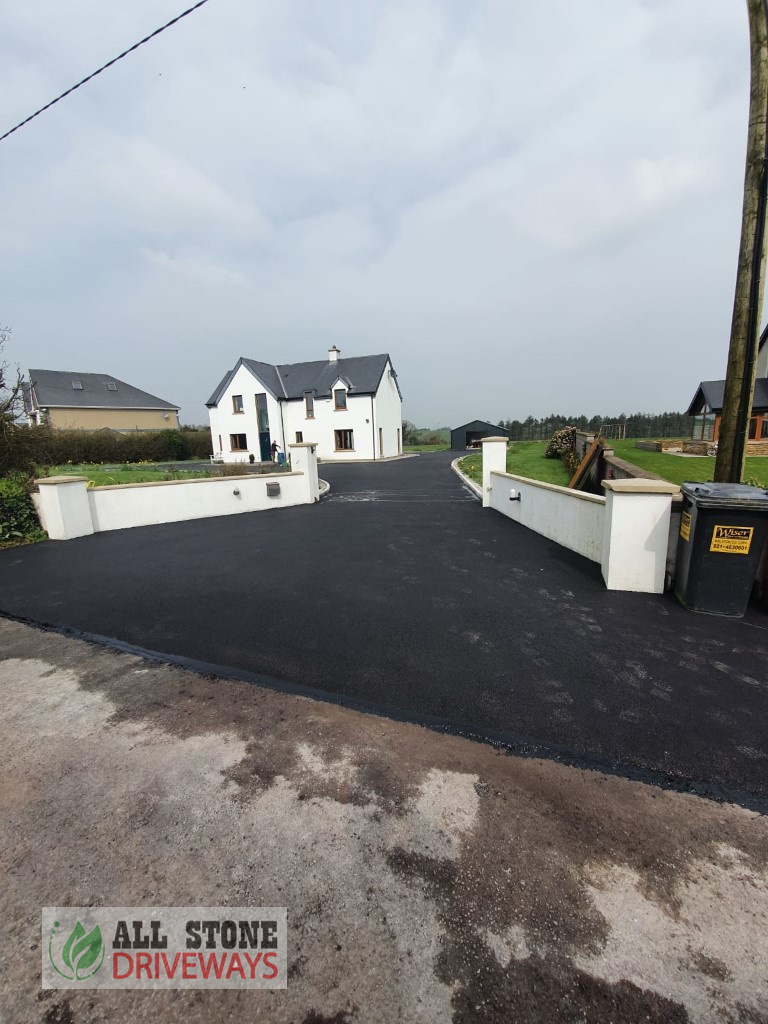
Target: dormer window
(340, 399)
(77, 385)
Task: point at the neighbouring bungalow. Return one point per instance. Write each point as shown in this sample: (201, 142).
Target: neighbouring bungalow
(93, 401)
(350, 408)
(707, 405)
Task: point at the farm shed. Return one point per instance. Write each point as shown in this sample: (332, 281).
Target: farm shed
(470, 434)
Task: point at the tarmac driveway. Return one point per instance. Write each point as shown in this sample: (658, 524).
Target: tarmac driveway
(399, 591)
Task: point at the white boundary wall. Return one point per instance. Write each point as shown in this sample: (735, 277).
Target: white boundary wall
(571, 518)
(627, 531)
(68, 508)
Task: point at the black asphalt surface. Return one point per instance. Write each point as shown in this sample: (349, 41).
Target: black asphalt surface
(399, 590)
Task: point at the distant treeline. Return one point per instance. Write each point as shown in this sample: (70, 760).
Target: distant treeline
(638, 424)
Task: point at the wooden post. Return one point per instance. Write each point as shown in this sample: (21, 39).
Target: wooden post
(750, 278)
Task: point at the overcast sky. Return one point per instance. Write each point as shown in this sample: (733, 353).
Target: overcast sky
(533, 207)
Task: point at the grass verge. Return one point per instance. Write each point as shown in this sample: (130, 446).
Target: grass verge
(525, 458)
(108, 476)
(677, 469)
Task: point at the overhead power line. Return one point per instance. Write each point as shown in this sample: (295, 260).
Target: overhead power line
(104, 67)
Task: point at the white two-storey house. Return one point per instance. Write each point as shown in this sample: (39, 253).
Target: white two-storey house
(350, 408)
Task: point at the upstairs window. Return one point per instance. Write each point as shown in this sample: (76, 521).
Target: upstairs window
(237, 403)
(344, 440)
(309, 405)
(262, 413)
(340, 399)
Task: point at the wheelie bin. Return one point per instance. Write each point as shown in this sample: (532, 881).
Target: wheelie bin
(723, 531)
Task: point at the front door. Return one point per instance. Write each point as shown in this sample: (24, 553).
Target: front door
(262, 417)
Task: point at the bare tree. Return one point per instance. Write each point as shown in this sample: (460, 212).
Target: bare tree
(11, 382)
(750, 277)
(410, 433)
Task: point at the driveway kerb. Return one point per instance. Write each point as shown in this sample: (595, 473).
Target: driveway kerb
(456, 467)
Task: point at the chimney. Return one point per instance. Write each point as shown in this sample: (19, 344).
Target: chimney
(333, 354)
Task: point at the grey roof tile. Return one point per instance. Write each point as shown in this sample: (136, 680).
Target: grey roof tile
(53, 389)
(362, 375)
(713, 391)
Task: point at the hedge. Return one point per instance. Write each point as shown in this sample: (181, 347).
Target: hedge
(23, 448)
(18, 517)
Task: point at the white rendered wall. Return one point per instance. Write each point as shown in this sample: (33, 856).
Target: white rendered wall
(628, 531)
(388, 414)
(128, 505)
(225, 422)
(320, 431)
(570, 518)
(62, 506)
(67, 508)
(636, 534)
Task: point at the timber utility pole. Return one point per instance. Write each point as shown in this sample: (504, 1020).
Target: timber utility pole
(750, 277)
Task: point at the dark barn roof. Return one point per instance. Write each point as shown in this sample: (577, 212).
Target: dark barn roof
(57, 389)
(361, 374)
(709, 396)
(482, 425)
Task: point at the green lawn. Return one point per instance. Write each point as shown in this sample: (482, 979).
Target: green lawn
(677, 469)
(425, 433)
(525, 458)
(131, 473)
(426, 447)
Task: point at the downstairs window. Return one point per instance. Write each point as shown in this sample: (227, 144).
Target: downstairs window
(344, 440)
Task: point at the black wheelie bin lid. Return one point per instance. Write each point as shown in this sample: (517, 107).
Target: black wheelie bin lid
(726, 495)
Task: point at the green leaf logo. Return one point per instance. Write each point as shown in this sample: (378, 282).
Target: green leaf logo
(80, 953)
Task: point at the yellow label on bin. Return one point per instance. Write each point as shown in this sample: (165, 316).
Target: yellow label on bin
(733, 540)
(685, 526)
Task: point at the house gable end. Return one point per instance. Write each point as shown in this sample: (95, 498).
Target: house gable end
(388, 368)
(697, 404)
(710, 394)
(260, 373)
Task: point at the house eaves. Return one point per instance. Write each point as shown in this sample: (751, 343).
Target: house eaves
(711, 393)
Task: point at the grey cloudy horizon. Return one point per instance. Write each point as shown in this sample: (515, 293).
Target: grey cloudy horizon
(532, 208)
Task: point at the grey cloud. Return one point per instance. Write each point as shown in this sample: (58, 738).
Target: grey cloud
(547, 193)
